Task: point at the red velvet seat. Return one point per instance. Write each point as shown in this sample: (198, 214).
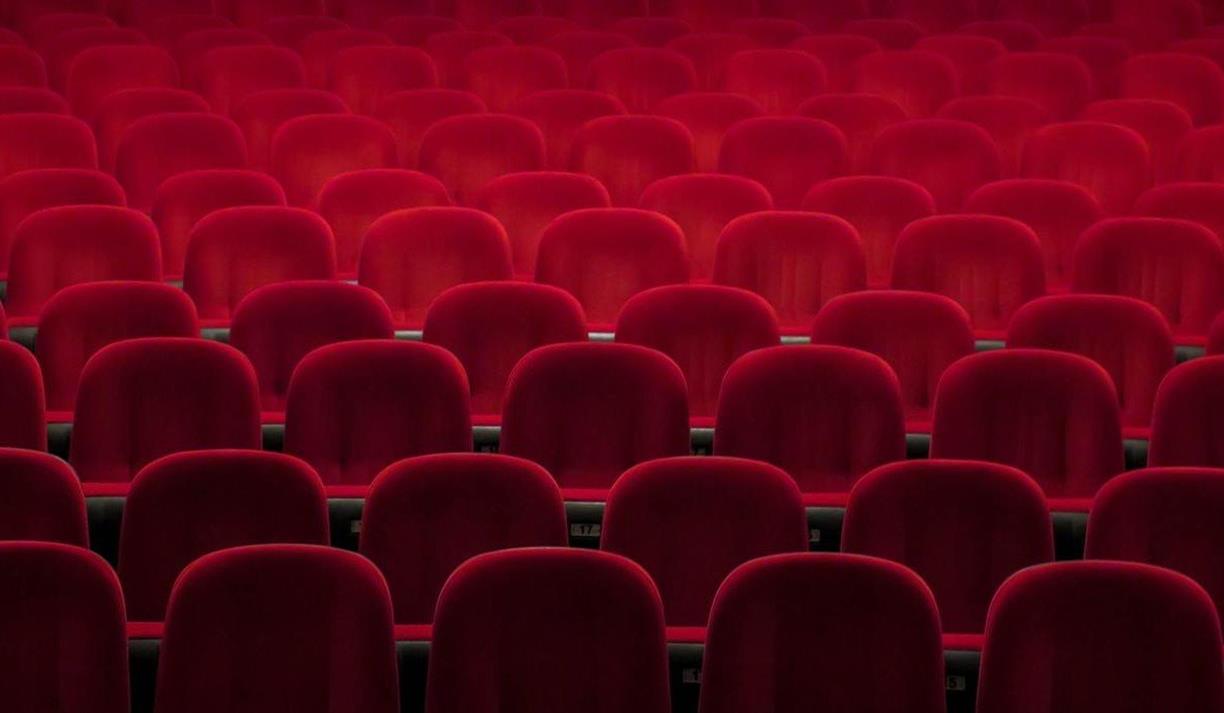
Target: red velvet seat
(167, 29)
(1151, 24)
(534, 29)
(365, 75)
(100, 71)
(561, 114)
(227, 75)
(580, 47)
(119, 110)
(260, 114)
(290, 30)
(1185, 428)
(1112, 162)
(1163, 124)
(1055, 18)
(60, 51)
(1016, 35)
(1062, 84)
(839, 53)
(155, 148)
(501, 76)
(709, 52)
(1010, 121)
(919, 82)
(42, 499)
(1198, 156)
(1103, 55)
(641, 77)
(889, 33)
(191, 47)
(30, 141)
(319, 50)
(860, 117)
(628, 153)
(310, 150)
(466, 152)
(1196, 84)
(1202, 203)
(971, 55)
(27, 192)
(250, 13)
(780, 79)
(450, 49)
(949, 158)
(23, 420)
(787, 155)
(411, 112)
(31, 100)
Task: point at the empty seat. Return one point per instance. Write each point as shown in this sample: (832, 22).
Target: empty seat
(483, 13)
(1163, 124)
(319, 49)
(411, 112)
(276, 326)
(1054, 18)
(970, 54)
(310, 150)
(1194, 83)
(179, 395)
(67, 245)
(1198, 157)
(468, 151)
(560, 114)
(795, 260)
(827, 415)
(890, 33)
(376, 13)
(503, 75)
(42, 499)
(525, 203)
(603, 256)
(1202, 203)
(702, 204)
(1104, 57)
(779, 79)
(516, 608)
(936, 14)
(1051, 414)
(31, 100)
(425, 516)
(708, 116)
(534, 29)
(60, 50)
(158, 147)
(351, 202)
(1086, 616)
(411, 256)
(1176, 265)
(21, 67)
(839, 54)
(877, 620)
(185, 198)
(580, 47)
(260, 114)
(641, 77)
(250, 13)
(734, 510)
(587, 412)
(596, 12)
(121, 109)
(1185, 425)
(45, 141)
(186, 505)
(193, 46)
(704, 329)
(788, 155)
(991, 520)
(709, 53)
(489, 326)
(450, 49)
(313, 624)
(1113, 162)
(227, 75)
(167, 30)
(363, 76)
(919, 82)
(627, 153)
(860, 117)
(64, 622)
(235, 250)
(356, 407)
(949, 158)
(879, 208)
(1057, 211)
(27, 192)
(39, 29)
(81, 319)
(100, 71)
(1016, 35)
(1127, 337)
(1062, 84)
(23, 419)
(919, 334)
(652, 31)
(1009, 120)
(781, 31)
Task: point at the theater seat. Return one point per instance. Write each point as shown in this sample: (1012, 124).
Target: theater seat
(839, 53)
(920, 82)
(465, 152)
(501, 76)
(155, 148)
(787, 155)
(1185, 428)
(1062, 84)
(1196, 84)
(449, 50)
(1163, 124)
(42, 499)
(860, 118)
(319, 50)
(31, 100)
(117, 111)
(365, 75)
(226, 75)
(970, 54)
(628, 153)
(260, 114)
(45, 141)
(708, 116)
(641, 77)
(1111, 161)
(1202, 203)
(310, 150)
(949, 158)
(560, 114)
(579, 47)
(100, 71)
(1010, 121)
(780, 79)
(411, 112)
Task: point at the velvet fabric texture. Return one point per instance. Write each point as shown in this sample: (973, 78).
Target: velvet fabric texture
(920, 82)
(43, 499)
(409, 113)
(117, 111)
(225, 76)
(641, 77)
(99, 71)
(261, 113)
(159, 146)
(786, 154)
(1185, 425)
(465, 152)
(364, 75)
(628, 153)
(561, 113)
(1112, 162)
(860, 117)
(45, 141)
(708, 116)
(23, 420)
(949, 158)
(309, 150)
(26, 193)
(503, 75)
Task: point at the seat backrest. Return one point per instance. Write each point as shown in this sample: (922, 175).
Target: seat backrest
(970, 54)
(363, 76)
(560, 114)
(1163, 124)
(426, 516)
(839, 53)
(1061, 83)
(45, 141)
(310, 150)
(313, 625)
(157, 147)
(628, 153)
(1111, 161)
(1185, 425)
(860, 118)
(27, 192)
(1103, 55)
(42, 499)
(1202, 203)
(920, 82)
(468, 151)
(641, 77)
(100, 71)
(708, 116)
(319, 49)
(709, 52)
(949, 158)
(1194, 83)
(227, 75)
(449, 49)
(23, 420)
(503, 75)
(788, 155)
(261, 113)
(411, 112)
(517, 609)
(117, 111)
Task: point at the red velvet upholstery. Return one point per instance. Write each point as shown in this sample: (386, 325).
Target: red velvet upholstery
(788, 155)
(1113, 162)
(705, 14)
(963, 526)
(1198, 157)
(22, 67)
(45, 141)
(1062, 84)
(1051, 414)
(191, 47)
(185, 505)
(468, 151)
(363, 76)
(250, 13)
(158, 147)
(23, 419)
(627, 153)
(1016, 35)
(708, 116)
(560, 114)
(144, 398)
(876, 620)
(410, 113)
(62, 635)
(310, 150)
(936, 15)
(234, 250)
(1185, 428)
(890, 33)
(1103, 55)
(919, 82)
(351, 202)
(260, 114)
(168, 29)
(31, 100)
(503, 75)
(580, 47)
(989, 264)
(410, 256)
(482, 13)
(970, 54)
(319, 50)
(878, 207)
(1163, 124)
(826, 415)
(1129, 338)
(489, 326)
(227, 75)
(79, 320)
(450, 49)
(525, 203)
(414, 30)
(183, 200)
(587, 412)
(277, 325)
(709, 53)
(839, 53)
(603, 256)
(1215, 337)
(919, 334)
(117, 111)
(62, 49)
(39, 28)
(1054, 17)
(312, 629)
(1058, 212)
(290, 30)
(641, 77)
(67, 245)
(595, 12)
(1150, 24)
(28, 192)
(780, 79)
(1196, 84)
(703, 328)
(1010, 121)
(426, 516)
(949, 158)
(534, 29)
(1124, 636)
(506, 627)
(99, 71)
(1175, 265)
(42, 499)
(860, 117)
(1202, 203)
(356, 407)
(730, 510)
